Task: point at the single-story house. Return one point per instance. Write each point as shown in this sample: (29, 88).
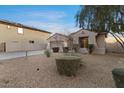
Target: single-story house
(18, 37)
(82, 39)
(58, 40)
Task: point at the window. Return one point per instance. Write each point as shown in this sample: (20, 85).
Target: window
(31, 41)
(20, 31)
(8, 26)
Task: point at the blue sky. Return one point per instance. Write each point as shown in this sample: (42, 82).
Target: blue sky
(52, 18)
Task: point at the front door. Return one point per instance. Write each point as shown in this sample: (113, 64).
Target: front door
(83, 42)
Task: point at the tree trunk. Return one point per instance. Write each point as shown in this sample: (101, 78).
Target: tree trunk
(120, 39)
(122, 45)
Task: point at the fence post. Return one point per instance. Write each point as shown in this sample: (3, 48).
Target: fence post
(26, 53)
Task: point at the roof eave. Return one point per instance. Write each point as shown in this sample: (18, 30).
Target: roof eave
(23, 26)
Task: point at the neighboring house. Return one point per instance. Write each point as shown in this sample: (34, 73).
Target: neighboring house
(82, 39)
(58, 40)
(18, 37)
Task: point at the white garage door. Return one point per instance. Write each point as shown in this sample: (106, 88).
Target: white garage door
(56, 44)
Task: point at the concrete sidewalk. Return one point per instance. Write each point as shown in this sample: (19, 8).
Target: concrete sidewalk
(11, 55)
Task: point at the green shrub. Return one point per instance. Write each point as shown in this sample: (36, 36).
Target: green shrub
(68, 65)
(91, 47)
(76, 47)
(47, 53)
(118, 75)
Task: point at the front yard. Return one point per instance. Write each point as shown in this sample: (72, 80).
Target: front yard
(39, 71)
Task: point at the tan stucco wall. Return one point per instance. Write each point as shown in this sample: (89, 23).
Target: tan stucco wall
(57, 37)
(58, 41)
(15, 41)
(77, 35)
(101, 45)
(101, 41)
(91, 36)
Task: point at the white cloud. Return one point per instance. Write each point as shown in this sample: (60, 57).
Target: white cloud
(51, 15)
(43, 15)
(53, 27)
(53, 21)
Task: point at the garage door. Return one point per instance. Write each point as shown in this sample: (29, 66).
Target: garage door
(56, 44)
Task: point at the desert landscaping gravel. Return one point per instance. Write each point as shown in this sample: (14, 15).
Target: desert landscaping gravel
(40, 72)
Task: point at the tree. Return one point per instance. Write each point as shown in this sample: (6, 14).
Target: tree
(102, 18)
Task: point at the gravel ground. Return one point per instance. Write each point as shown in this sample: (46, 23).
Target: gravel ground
(39, 71)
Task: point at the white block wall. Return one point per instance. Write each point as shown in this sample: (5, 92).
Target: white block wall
(11, 55)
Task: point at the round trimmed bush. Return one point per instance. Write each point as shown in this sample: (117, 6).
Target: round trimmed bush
(68, 65)
(47, 53)
(118, 75)
(91, 47)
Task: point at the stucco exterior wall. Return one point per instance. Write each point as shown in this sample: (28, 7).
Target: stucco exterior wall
(84, 33)
(20, 42)
(92, 38)
(57, 37)
(77, 35)
(101, 45)
(58, 41)
(101, 41)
